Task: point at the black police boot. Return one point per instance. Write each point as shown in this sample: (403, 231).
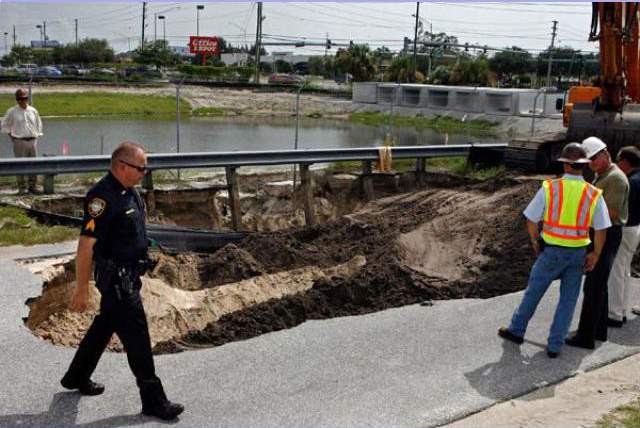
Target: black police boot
(155, 403)
(87, 387)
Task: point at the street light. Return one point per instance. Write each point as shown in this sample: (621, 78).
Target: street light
(164, 30)
(6, 50)
(155, 19)
(198, 9)
(39, 27)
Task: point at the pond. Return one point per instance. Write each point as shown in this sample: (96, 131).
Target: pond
(92, 136)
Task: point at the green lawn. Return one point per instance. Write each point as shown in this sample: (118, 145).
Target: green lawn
(99, 103)
(17, 228)
(440, 123)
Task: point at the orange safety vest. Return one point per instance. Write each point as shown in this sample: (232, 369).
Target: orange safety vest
(569, 208)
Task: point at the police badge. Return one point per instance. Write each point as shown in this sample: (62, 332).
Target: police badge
(96, 207)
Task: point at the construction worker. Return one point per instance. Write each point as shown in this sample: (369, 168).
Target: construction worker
(615, 191)
(567, 208)
(620, 276)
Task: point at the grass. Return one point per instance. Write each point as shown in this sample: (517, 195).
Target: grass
(456, 165)
(209, 111)
(17, 228)
(439, 123)
(99, 103)
(625, 416)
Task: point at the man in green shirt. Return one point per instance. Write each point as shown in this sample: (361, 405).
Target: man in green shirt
(615, 190)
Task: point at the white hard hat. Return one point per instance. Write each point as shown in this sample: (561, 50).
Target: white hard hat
(592, 146)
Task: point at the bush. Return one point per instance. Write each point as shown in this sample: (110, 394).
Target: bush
(226, 74)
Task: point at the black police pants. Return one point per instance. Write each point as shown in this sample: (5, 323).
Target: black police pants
(124, 316)
(593, 317)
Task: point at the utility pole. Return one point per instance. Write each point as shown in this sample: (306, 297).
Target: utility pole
(6, 49)
(553, 39)
(415, 41)
(14, 37)
(76, 20)
(258, 40)
(44, 32)
(144, 15)
(326, 45)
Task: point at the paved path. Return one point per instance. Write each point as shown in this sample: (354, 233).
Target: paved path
(415, 366)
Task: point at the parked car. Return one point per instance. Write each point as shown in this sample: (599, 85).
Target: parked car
(144, 71)
(107, 71)
(49, 71)
(286, 79)
(74, 70)
(26, 68)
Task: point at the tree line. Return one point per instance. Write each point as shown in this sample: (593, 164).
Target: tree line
(439, 61)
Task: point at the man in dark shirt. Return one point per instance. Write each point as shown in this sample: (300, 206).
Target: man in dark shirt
(615, 190)
(114, 235)
(620, 277)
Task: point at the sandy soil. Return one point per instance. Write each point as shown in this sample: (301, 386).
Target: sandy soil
(578, 402)
(238, 101)
(390, 253)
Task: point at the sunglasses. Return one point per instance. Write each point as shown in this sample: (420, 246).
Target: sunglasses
(22, 99)
(140, 169)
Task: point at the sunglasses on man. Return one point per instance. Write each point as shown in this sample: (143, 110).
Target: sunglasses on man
(140, 169)
(22, 98)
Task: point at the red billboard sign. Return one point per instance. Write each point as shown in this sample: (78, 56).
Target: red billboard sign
(204, 45)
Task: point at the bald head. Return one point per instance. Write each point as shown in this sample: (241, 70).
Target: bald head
(127, 150)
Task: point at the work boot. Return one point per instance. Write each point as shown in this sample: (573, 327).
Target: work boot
(155, 403)
(88, 387)
(505, 333)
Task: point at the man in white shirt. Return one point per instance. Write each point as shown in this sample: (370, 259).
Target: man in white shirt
(22, 123)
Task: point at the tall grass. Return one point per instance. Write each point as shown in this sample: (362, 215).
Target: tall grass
(439, 123)
(99, 103)
(17, 228)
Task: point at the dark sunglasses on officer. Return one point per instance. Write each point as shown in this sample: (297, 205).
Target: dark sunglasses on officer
(140, 169)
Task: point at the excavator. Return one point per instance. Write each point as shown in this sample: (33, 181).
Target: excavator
(610, 108)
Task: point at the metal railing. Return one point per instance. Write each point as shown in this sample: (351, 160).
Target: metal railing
(80, 164)
(51, 166)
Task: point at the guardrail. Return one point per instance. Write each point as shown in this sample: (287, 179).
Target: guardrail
(52, 166)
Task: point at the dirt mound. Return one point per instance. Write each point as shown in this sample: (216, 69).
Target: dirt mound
(436, 244)
(195, 272)
(465, 241)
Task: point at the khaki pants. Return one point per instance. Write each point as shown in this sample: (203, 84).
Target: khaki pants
(25, 149)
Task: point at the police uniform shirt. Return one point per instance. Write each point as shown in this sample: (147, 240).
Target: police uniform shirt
(115, 216)
(535, 210)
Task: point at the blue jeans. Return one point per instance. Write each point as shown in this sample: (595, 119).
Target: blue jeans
(553, 263)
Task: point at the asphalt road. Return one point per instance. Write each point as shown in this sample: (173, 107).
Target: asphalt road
(415, 366)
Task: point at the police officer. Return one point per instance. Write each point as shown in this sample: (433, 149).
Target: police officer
(114, 236)
(567, 209)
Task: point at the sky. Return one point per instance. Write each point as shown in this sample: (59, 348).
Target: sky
(499, 24)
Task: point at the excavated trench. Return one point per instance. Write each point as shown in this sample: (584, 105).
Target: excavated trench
(457, 239)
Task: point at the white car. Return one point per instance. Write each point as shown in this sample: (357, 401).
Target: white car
(26, 68)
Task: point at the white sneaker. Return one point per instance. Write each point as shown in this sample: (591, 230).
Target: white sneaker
(636, 310)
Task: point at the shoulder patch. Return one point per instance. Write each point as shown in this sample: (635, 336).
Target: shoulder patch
(96, 207)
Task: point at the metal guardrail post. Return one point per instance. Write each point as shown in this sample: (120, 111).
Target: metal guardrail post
(421, 166)
(307, 195)
(234, 198)
(367, 180)
(48, 184)
(147, 181)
